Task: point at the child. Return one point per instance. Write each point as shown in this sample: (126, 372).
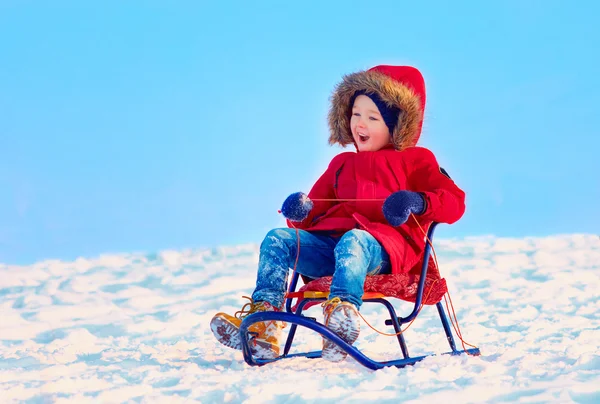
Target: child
(358, 224)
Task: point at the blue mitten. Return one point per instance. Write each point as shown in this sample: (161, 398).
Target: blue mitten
(296, 207)
(399, 205)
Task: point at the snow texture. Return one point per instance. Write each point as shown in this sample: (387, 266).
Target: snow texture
(135, 328)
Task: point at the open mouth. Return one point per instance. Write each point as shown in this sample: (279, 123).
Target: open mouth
(363, 138)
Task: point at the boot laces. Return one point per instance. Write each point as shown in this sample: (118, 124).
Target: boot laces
(248, 308)
(252, 307)
(335, 301)
(330, 304)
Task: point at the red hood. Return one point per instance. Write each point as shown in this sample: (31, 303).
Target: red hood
(399, 86)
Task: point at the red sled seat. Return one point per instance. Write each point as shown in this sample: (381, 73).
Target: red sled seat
(404, 286)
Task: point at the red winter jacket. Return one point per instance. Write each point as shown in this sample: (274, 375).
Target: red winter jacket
(376, 175)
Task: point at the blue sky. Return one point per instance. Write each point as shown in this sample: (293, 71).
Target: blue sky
(142, 126)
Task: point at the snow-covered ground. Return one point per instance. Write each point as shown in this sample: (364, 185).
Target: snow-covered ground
(135, 328)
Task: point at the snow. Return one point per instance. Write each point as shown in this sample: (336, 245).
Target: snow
(135, 328)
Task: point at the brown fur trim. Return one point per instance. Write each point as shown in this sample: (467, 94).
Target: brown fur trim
(407, 130)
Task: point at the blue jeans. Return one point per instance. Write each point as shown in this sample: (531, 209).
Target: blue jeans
(349, 259)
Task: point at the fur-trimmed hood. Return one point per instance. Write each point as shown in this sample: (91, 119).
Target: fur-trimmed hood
(399, 86)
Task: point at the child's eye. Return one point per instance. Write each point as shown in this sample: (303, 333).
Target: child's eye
(356, 114)
(373, 118)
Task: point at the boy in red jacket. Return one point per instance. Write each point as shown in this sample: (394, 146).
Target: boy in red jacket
(355, 220)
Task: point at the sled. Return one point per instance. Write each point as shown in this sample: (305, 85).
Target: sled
(307, 297)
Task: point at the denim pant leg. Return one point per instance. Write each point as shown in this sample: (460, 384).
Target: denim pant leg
(278, 254)
(357, 255)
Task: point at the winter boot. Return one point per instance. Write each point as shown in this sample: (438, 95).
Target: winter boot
(266, 335)
(341, 318)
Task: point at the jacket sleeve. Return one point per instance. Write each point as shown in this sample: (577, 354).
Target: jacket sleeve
(322, 189)
(445, 200)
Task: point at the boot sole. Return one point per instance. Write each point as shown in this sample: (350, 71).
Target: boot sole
(347, 329)
(226, 333)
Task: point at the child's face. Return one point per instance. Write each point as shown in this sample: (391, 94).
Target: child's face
(368, 127)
